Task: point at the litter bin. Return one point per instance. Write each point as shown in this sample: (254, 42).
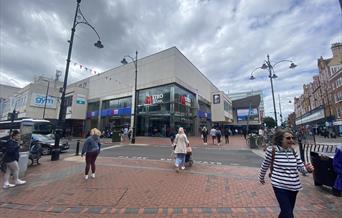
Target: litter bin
(23, 162)
(116, 137)
(324, 173)
(55, 154)
(253, 140)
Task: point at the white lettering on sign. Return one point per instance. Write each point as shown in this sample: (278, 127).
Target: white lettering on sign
(154, 99)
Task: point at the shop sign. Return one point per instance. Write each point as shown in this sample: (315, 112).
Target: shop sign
(154, 99)
(80, 100)
(216, 99)
(185, 100)
(38, 100)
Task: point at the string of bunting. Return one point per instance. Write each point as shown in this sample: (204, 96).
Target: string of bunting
(81, 66)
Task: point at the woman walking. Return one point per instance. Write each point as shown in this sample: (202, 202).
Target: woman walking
(91, 149)
(181, 142)
(284, 165)
(11, 159)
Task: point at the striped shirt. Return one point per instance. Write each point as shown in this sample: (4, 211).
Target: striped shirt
(286, 165)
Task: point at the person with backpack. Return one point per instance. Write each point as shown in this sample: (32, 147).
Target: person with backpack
(284, 164)
(204, 134)
(218, 136)
(11, 159)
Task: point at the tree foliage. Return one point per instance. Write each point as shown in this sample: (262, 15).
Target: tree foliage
(270, 122)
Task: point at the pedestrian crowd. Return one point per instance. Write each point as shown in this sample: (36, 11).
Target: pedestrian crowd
(216, 135)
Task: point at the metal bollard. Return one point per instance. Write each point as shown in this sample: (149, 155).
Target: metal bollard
(77, 147)
(301, 150)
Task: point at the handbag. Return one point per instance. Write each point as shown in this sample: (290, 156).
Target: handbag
(189, 150)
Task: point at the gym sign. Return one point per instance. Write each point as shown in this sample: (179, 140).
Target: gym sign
(38, 100)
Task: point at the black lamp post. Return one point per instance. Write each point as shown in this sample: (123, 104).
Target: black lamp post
(46, 96)
(134, 114)
(78, 19)
(267, 65)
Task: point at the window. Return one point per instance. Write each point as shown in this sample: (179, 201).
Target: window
(155, 100)
(338, 97)
(339, 112)
(94, 106)
(338, 82)
(68, 101)
(117, 103)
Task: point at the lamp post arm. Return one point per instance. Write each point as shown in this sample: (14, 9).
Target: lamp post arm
(255, 70)
(281, 62)
(86, 23)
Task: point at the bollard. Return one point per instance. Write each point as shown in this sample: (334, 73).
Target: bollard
(77, 147)
(301, 150)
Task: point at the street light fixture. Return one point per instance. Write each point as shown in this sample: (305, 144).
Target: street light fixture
(46, 96)
(135, 107)
(78, 19)
(268, 65)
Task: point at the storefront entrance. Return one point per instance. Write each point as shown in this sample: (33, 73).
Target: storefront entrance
(153, 126)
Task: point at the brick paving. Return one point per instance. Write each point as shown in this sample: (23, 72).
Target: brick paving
(151, 188)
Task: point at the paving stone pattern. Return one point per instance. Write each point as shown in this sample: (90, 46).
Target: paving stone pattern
(151, 188)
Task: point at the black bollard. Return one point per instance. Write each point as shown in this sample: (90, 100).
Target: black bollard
(77, 147)
(301, 150)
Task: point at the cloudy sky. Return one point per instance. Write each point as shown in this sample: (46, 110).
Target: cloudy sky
(225, 39)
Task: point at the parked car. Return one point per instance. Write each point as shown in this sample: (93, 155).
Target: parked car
(47, 142)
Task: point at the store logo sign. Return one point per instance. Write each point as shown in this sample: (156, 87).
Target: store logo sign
(80, 100)
(154, 99)
(185, 100)
(38, 100)
(216, 99)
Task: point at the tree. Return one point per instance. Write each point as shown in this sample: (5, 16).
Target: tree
(270, 122)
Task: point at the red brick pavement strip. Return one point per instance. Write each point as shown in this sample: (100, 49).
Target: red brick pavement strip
(134, 185)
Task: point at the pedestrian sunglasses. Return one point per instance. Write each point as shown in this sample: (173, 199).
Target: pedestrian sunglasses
(290, 137)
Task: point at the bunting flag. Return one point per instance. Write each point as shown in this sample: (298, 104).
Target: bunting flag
(82, 67)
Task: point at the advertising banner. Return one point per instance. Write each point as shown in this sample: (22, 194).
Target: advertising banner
(242, 114)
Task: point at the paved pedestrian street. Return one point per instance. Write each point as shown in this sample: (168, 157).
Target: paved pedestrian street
(151, 188)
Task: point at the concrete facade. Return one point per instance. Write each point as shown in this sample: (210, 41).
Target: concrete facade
(29, 101)
(169, 80)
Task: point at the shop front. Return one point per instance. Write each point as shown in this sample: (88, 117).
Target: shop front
(164, 109)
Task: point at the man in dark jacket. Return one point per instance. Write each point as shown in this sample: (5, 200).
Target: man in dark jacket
(11, 159)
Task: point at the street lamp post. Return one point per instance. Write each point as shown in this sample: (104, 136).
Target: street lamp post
(268, 65)
(78, 19)
(135, 107)
(46, 96)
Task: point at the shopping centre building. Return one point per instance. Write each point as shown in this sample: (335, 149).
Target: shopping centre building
(171, 92)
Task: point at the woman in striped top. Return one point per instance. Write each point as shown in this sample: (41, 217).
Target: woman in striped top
(285, 164)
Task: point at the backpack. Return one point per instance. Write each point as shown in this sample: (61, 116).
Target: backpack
(218, 133)
(272, 159)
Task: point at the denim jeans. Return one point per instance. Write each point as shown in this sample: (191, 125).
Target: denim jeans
(180, 159)
(286, 200)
